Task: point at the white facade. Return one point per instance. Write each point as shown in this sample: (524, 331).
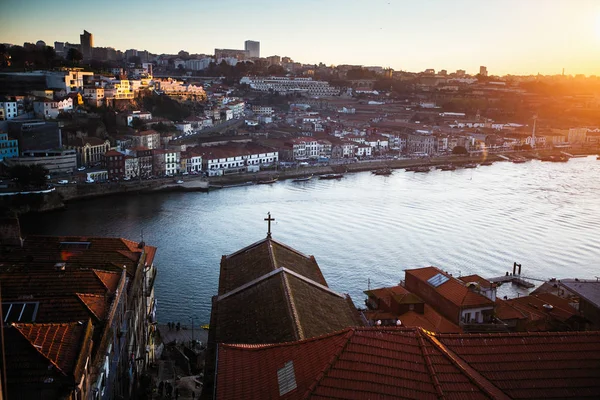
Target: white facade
(50, 108)
(171, 162)
(474, 315)
(10, 109)
(184, 127)
(283, 84)
(119, 90)
(363, 150)
(132, 167)
(146, 116)
(198, 65)
(262, 110)
(194, 164)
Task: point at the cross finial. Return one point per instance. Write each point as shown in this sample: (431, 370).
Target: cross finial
(269, 219)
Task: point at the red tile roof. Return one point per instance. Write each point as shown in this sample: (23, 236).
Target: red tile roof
(453, 289)
(59, 343)
(382, 363)
(430, 320)
(391, 363)
(484, 283)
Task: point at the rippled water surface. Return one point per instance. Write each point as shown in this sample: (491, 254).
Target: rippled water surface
(544, 215)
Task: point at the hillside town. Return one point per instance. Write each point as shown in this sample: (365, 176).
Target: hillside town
(90, 115)
(79, 312)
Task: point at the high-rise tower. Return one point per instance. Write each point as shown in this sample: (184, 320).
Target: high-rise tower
(253, 48)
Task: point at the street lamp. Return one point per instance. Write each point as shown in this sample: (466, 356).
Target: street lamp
(192, 344)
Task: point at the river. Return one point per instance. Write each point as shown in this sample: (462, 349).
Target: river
(361, 228)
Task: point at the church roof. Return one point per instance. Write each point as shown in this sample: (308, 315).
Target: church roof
(261, 258)
(269, 292)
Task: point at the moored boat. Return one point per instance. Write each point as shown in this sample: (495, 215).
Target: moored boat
(303, 179)
(267, 181)
(331, 176)
(422, 169)
(383, 171)
(448, 167)
(470, 165)
(519, 160)
(487, 163)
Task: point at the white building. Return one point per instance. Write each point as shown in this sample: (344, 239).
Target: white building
(132, 167)
(284, 84)
(171, 162)
(51, 108)
(9, 109)
(143, 115)
(263, 110)
(198, 64)
(184, 127)
(229, 159)
(119, 90)
(363, 150)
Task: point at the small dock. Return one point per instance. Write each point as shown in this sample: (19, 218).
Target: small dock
(514, 279)
(503, 157)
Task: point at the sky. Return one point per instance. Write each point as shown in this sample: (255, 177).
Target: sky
(519, 37)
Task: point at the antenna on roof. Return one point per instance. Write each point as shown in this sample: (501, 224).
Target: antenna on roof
(142, 244)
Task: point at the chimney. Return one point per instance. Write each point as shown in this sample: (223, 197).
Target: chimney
(10, 231)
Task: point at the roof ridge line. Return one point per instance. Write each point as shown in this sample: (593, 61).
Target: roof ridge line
(245, 248)
(290, 248)
(429, 364)
(250, 284)
(271, 254)
(334, 358)
(38, 349)
(474, 376)
(298, 331)
(311, 282)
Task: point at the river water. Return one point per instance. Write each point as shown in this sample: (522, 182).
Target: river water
(362, 228)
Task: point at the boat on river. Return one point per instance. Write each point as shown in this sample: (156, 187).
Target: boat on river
(267, 181)
(303, 179)
(422, 169)
(470, 165)
(331, 176)
(555, 158)
(519, 160)
(448, 167)
(383, 171)
(487, 163)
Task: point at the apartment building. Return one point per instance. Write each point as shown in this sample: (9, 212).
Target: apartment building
(283, 84)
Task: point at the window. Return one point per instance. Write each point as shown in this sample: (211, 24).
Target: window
(19, 312)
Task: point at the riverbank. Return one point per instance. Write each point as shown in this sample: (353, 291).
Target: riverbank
(65, 194)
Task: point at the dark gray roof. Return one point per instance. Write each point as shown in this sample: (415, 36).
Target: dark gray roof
(589, 290)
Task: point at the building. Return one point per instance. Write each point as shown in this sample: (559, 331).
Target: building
(231, 53)
(94, 95)
(461, 303)
(396, 306)
(420, 144)
(149, 139)
(272, 293)
(166, 162)
(87, 44)
(35, 134)
(483, 71)
(577, 136)
(90, 150)
(114, 162)
(252, 48)
(50, 109)
(83, 305)
(126, 119)
(8, 147)
(284, 85)
(234, 159)
(8, 109)
(394, 363)
(145, 161)
(118, 90)
(55, 161)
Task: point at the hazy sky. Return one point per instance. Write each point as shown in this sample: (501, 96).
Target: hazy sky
(508, 36)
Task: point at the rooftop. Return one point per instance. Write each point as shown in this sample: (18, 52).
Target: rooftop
(391, 363)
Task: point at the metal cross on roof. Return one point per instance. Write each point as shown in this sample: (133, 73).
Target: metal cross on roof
(269, 219)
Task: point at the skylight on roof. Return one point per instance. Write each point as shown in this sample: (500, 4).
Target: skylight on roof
(75, 245)
(19, 312)
(437, 280)
(286, 378)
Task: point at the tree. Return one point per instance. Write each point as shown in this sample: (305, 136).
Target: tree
(137, 123)
(460, 150)
(28, 175)
(74, 55)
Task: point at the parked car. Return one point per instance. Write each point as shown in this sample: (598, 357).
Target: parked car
(180, 182)
(63, 181)
(81, 169)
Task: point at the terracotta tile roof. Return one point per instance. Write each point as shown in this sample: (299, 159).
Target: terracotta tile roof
(430, 320)
(397, 294)
(505, 311)
(360, 363)
(43, 252)
(112, 153)
(542, 318)
(453, 289)
(391, 363)
(484, 283)
(110, 280)
(60, 344)
(98, 305)
(543, 365)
